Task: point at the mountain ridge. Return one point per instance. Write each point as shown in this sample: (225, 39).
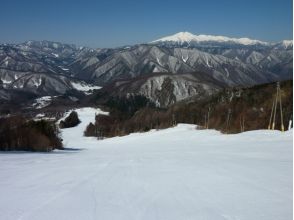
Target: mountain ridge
(53, 68)
(187, 37)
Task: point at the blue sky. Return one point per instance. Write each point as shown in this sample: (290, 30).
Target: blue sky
(112, 23)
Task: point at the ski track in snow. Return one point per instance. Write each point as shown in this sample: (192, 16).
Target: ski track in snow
(175, 173)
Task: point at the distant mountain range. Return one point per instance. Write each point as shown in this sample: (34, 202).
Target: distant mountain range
(188, 38)
(167, 70)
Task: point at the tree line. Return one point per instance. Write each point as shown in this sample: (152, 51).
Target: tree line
(20, 134)
(230, 111)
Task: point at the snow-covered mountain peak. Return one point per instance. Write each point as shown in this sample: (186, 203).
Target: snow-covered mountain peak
(186, 37)
(284, 45)
(287, 43)
(179, 37)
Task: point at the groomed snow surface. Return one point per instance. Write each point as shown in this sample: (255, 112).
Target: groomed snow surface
(177, 173)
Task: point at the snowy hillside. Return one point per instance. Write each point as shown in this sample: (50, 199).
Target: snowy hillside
(47, 68)
(176, 173)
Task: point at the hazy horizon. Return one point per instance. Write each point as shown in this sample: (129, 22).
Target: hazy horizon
(117, 23)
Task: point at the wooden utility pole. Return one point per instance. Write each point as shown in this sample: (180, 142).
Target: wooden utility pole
(277, 98)
(270, 121)
(281, 110)
(275, 110)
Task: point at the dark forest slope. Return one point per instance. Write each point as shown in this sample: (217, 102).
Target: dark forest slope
(231, 111)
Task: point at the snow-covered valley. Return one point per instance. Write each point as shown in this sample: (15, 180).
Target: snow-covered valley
(175, 173)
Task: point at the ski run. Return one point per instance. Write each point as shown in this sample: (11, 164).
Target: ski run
(172, 174)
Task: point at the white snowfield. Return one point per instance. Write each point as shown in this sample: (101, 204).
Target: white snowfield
(173, 174)
(84, 87)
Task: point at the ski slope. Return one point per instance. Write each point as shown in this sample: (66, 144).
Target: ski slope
(173, 174)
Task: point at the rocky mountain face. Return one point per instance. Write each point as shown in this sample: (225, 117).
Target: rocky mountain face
(166, 70)
(145, 59)
(164, 89)
(236, 61)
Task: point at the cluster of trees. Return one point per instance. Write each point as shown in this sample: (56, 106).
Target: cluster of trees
(18, 133)
(70, 121)
(143, 120)
(121, 110)
(127, 106)
(230, 111)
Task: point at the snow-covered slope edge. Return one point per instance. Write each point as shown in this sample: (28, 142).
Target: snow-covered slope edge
(74, 137)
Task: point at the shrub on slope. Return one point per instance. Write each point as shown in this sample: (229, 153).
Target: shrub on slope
(71, 121)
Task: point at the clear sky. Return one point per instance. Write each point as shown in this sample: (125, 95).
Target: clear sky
(111, 23)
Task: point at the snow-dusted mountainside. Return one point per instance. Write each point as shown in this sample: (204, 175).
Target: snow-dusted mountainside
(165, 89)
(229, 61)
(46, 84)
(276, 58)
(285, 44)
(188, 38)
(39, 67)
(172, 174)
(145, 59)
